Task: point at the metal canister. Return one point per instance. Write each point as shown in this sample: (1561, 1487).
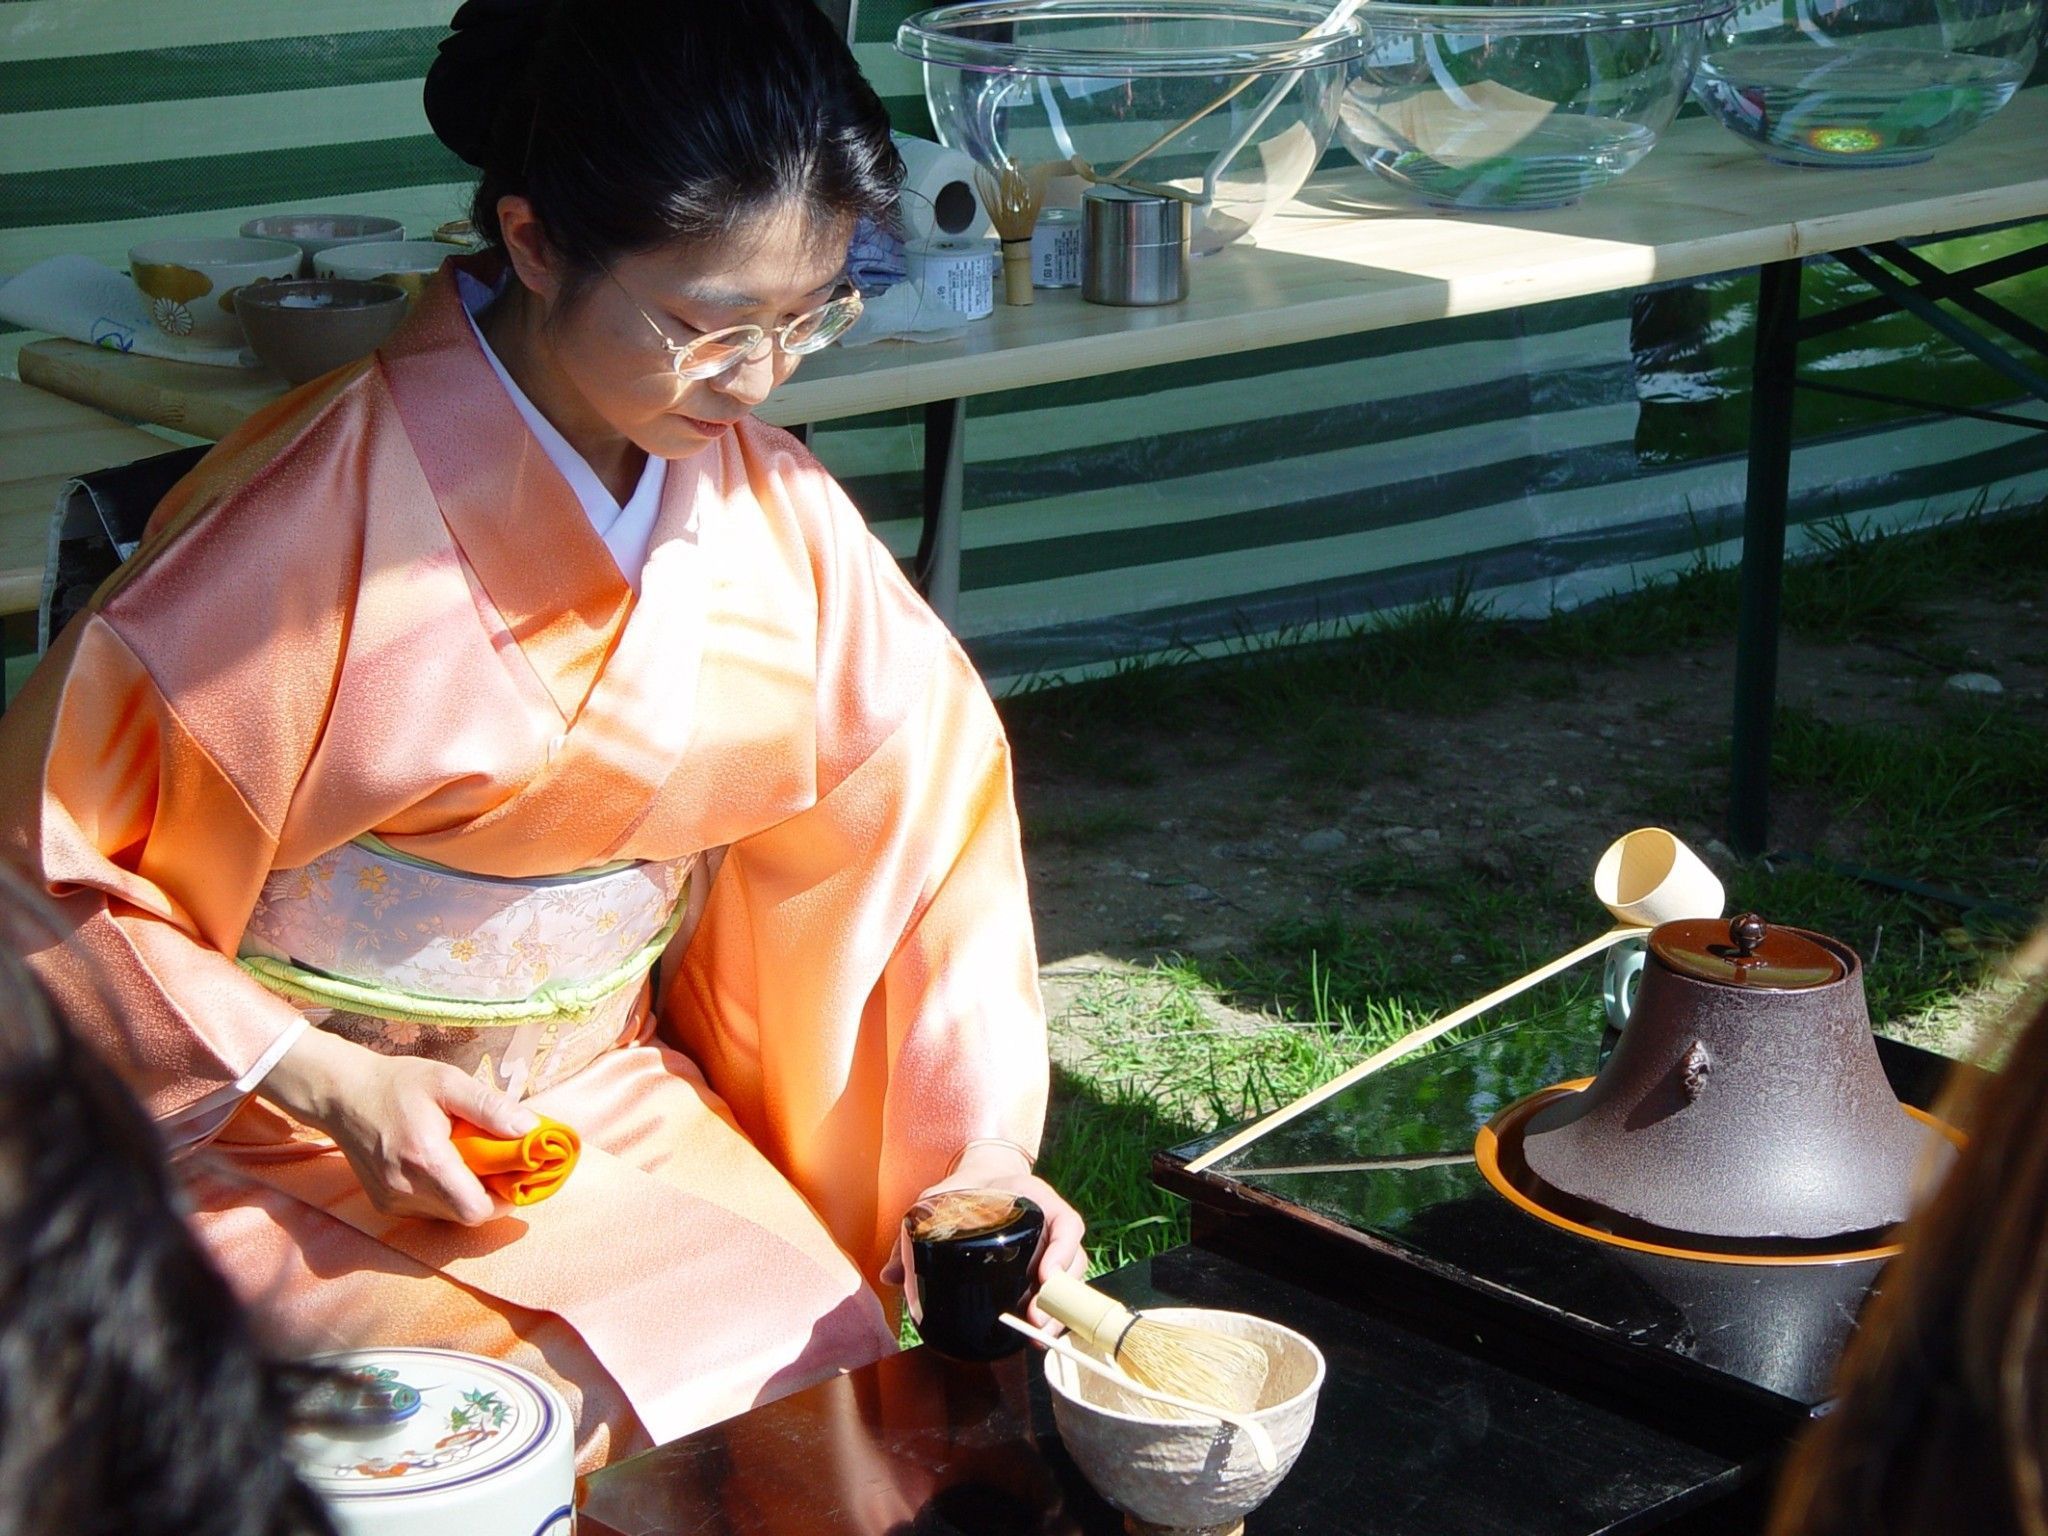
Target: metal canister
(1134, 247)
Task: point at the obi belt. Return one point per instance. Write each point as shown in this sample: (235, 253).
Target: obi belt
(520, 983)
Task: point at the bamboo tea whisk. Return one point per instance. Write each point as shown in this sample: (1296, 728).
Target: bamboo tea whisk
(1194, 1363)
(1012, 197)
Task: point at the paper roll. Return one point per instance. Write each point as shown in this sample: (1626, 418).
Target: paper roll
(939, 200)
(960, 274)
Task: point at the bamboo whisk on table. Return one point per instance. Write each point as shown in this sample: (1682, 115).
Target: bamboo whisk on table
(1013, 197)
(1195, 1363)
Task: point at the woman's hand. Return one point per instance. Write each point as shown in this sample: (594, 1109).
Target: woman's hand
(392, 1117)
(996, 1165)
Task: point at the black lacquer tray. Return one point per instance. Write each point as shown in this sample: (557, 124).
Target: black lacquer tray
(1375, 1196)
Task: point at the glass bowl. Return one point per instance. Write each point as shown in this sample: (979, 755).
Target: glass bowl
(1865, 82)
(1093, 85)
(1518, 106)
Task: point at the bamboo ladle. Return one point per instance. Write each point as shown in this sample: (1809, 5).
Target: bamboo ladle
(1645, 878)
(1254, 1431)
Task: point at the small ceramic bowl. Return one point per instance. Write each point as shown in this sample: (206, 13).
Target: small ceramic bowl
(314, 325)
(190, 284)
(1187, 1478)
(407, 263)
(313, 233)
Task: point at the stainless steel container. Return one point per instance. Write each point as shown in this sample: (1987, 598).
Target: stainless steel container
(1134, 247)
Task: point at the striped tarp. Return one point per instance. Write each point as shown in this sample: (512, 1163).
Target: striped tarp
(1137, 514)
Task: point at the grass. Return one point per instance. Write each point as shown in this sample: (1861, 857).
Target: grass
(1957, 800)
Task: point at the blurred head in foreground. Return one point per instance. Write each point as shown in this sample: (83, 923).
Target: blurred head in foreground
(133, 1399)
(1941, 1424)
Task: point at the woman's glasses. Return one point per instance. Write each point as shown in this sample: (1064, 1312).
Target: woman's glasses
(715, 353)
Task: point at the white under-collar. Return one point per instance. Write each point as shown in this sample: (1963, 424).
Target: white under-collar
(625, 530)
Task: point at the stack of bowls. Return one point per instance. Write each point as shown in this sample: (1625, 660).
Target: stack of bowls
(309, 292)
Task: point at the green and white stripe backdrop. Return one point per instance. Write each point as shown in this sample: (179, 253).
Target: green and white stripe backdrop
(1129, 515)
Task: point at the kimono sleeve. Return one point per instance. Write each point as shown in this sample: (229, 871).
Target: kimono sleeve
(862, 989)
(154, 860)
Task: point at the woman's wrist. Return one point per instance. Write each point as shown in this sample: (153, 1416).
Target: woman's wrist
(303, 1082)
(991, 1157)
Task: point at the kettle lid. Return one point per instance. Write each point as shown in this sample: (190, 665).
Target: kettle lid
(1745, 952)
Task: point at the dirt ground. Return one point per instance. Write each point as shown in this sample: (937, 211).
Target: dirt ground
(1222, 842)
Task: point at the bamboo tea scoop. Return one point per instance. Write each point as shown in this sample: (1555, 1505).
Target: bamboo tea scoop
(1646, 878)
(1254, 1431)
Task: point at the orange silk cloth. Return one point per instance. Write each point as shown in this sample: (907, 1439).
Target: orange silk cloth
(377, 607)
(523, 1170)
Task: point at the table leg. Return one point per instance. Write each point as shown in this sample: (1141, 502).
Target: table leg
(938, 548)
(1763, 555)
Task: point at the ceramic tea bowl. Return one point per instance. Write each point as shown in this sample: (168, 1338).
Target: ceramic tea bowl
(191, 283)
(1187, 1478)
(314, 325)
(405, 263)
(313, 233)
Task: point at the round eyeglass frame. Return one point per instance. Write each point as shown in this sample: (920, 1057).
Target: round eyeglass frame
(745, 340)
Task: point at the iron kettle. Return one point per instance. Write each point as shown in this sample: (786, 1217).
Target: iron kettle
(1744, 1101)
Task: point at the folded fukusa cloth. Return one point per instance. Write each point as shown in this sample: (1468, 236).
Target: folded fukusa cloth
(523, 1170)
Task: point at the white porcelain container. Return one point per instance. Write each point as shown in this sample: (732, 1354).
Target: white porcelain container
(463, 1444)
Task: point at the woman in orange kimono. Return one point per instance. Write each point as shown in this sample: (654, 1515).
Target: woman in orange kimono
(508, 725)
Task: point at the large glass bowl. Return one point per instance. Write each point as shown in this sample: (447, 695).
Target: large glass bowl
(1865, 82)
(1518, 106)
(1088, 86)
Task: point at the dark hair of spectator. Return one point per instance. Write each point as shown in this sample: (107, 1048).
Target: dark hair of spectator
(133, 1399)
(634, 124)
(1941, 1425)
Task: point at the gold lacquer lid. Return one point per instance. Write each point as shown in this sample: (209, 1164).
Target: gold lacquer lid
(1745, 952)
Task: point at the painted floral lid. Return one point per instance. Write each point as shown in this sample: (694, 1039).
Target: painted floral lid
(405, 1425)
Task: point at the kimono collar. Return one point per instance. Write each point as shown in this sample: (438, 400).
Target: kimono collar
(516, 520)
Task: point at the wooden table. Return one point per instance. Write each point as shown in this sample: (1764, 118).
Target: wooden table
(44, 441)
(1413, 1437)
(1344, 258)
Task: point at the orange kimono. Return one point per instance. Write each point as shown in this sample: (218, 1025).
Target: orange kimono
(379, 609)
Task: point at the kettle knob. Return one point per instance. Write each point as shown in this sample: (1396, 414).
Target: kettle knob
(1747, 932)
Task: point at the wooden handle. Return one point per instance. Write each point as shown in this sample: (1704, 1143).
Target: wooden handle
(1262, 1442)
(1017, 271)
(1408, 1043)
(1101, 1320)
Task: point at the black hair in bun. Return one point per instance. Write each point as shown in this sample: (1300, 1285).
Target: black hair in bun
(631, 124)
(481, 67)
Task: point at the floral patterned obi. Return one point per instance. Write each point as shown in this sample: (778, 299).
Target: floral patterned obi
(521, 983)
